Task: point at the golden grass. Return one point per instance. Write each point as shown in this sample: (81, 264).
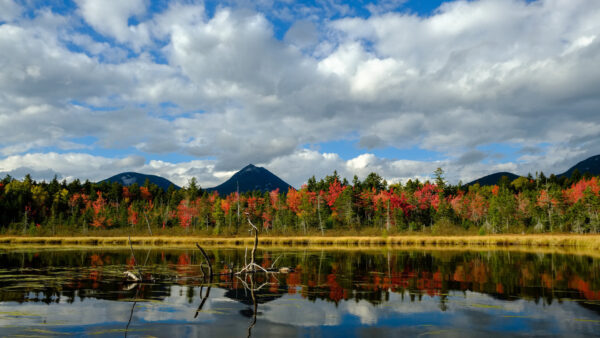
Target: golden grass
(587, 245)
(591, 242)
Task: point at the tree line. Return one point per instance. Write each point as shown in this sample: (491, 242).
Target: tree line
(530, 204)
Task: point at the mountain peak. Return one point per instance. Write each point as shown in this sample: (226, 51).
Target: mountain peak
(128, 178)
(249, 167)
(251, 178)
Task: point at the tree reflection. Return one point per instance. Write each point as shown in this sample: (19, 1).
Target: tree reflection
(332, 276)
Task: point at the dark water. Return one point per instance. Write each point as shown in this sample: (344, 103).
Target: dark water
(329, 293)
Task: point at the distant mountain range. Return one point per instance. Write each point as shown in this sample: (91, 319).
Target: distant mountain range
(129, 178)
(250, 178)
(590, 165)
(253, 178)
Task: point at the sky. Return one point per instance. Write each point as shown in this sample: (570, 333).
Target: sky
(182, 89)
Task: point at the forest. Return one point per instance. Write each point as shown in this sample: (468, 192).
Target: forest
(329, 206)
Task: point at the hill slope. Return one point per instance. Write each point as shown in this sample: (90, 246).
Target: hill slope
(129, 178)
(590, 165)
(251, 178)
(493, 178)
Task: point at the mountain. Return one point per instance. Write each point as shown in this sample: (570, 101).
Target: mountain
(251, 178)
(129, 178)
(493, 178)
(590, 165)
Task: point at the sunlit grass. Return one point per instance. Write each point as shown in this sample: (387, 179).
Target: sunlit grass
(568, 244)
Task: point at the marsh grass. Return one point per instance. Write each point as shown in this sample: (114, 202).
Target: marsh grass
(579, 242)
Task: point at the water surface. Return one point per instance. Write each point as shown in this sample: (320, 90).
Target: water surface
(327, 293)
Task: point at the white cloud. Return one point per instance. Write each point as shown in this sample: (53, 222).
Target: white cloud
(302, 34)
(282, 311)
(9, 10)
(474, 73)
(111, 18)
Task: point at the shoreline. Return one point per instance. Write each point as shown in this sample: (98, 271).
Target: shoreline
(588, 242)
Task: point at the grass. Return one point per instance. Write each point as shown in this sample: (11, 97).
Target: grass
(587, 242)
(579, 245)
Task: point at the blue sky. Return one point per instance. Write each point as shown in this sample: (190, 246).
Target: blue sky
(181, 89)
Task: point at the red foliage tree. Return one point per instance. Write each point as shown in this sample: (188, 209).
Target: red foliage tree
(145, 193)
(99, 205)
(400, 202)
(126, 194)
(274, 199)
(477, 207)
(335, 190)
(185, 213)
(428, 196)
(293, 200)
(544, 200)
(577, 191)
(267, 218)
(226, 206)
(132, 216)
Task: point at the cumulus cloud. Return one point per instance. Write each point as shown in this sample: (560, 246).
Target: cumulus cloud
(9, 10)
(302, 34)
(473, 73)
(111, 18)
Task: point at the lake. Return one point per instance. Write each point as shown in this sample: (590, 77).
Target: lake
(49, 292)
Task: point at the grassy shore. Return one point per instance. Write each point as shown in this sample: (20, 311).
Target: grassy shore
(585, 242)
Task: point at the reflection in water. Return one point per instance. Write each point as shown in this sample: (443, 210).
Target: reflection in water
(467, 293)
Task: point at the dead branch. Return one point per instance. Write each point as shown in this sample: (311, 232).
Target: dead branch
(252, 255)
(251, 267)
(210, 271)
(147, 222)
(139, 274)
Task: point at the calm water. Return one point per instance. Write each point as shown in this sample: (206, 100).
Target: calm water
(329, 293)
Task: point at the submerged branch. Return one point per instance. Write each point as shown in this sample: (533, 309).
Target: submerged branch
(210, 271)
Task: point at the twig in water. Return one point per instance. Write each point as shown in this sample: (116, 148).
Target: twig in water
(134, 260)
(275, 261)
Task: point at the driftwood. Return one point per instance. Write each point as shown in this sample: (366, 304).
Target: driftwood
(251, 267)
(131, 276)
